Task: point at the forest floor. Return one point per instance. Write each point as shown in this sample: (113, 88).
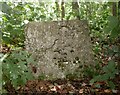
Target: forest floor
(65, 87)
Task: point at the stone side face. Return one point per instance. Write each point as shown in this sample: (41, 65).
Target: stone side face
(60, 47)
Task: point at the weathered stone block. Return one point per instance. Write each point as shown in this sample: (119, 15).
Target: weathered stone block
(60, 47)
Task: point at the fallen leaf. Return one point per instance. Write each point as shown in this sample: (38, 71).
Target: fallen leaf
(107, 91)
(81, 90)
(84, 84)
(53, 89)
(115, 91)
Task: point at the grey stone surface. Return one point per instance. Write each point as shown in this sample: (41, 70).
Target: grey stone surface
(60, 47)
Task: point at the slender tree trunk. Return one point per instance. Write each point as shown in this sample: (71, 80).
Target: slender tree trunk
(57, 9)
(63, 10)
(75, 9)
(114, 8)
(119, 10)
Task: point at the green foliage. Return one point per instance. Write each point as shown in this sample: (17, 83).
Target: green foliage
(21, 13)
(5, 8)
(109, 72)
(12, 27)
(16, 15)
(91, 71)
(113, 28)
(16, 68)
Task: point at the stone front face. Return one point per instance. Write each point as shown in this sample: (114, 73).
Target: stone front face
(60, 47)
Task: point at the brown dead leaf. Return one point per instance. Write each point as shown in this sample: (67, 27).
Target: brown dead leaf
(115, 91)
(107, 90)
(84, 84)
(53, 89)
(81, 90)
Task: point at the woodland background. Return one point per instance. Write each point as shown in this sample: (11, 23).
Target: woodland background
(104, 24)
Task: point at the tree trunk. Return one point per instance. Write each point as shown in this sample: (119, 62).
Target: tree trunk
(119, 10)
(114, 9)
(57, 9)
(63, 10)
(75, 9)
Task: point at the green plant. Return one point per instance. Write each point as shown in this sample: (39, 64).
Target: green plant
(15, 69)
(113, 28)
(91, 71)
(109, 72)
(111, 50)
